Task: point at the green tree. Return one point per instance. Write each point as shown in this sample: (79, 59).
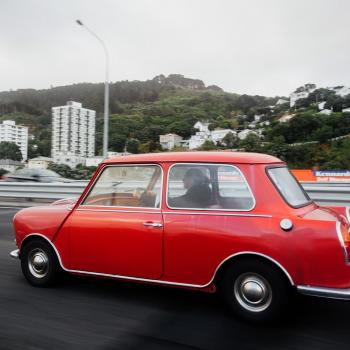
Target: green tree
(61, 169)
(9, 150)
(81, 172)
(117, 142)
(251, 143)
(278, 148)
(150, 147)
(230, 140)
(208, 146)
(132, 145)
(323, 134)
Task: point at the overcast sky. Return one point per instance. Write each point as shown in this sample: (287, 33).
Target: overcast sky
(266, 47)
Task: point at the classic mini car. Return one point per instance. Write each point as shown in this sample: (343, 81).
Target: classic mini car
(234, 222)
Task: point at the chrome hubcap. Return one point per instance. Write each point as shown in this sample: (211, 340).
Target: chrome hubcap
(38, 263)
(253, 292)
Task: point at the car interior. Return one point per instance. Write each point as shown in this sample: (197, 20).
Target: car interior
(228, 190)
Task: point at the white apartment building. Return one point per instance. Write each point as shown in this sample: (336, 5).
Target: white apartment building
(73, 134)
(169, 141)
(201, 135)
(197, 140)
(204, 134)
(17, 134)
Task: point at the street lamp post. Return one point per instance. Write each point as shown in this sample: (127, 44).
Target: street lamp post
(106, 99)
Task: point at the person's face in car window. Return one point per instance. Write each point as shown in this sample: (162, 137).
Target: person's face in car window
(193, 177)
(188, 182)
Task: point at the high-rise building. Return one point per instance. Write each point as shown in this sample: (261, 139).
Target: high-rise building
(17, 134)
(73, 134)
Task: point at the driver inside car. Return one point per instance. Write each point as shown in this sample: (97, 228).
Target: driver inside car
(198, 194)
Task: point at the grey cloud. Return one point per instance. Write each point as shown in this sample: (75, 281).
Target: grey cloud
(258, 47)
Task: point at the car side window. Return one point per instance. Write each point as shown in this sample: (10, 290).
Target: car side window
(189, 186)
(127, 186)
(233, 189)
(208, 186)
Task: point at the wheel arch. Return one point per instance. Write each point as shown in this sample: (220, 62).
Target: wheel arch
(33, 236)
(251, 255)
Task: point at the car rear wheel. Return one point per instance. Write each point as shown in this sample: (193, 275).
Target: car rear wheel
(39, 263)
(254, 290)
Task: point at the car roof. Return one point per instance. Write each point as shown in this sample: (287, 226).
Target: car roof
(199, 157)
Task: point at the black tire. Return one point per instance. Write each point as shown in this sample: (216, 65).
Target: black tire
(39, 263)
(255, 290)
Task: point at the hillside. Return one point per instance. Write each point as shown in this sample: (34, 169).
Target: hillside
(139, 109)
(142, 110)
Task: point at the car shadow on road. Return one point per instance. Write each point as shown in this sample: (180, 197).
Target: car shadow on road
(181, 319)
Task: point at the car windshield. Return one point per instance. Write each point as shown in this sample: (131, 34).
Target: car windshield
(289, 187)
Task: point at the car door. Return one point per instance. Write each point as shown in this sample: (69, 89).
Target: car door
(117, 229)
(206, 219)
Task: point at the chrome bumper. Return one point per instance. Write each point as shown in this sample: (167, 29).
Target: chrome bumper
(332, 293)
(15, 254)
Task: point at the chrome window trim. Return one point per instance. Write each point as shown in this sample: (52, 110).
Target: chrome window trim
(139, 279)
(342, 243)
(267, 172)
(97, 207)
(121, 210)
(217, 214)
(117, 206)
(174, 213)
(209, 209)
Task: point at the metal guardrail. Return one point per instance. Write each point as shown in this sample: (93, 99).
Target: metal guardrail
(329, 192)
(45, 191)
(323, 193)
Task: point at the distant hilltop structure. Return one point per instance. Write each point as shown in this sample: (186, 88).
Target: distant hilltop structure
(301, 92)
(307, 89)
(73, 134)
(179, 81)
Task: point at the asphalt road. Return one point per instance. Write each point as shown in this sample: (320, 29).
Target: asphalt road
(84, 313)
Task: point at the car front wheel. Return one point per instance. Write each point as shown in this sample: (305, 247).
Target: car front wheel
(255, 291)
(39, 263)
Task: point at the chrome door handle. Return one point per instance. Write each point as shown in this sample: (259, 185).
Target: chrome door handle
(152, 224)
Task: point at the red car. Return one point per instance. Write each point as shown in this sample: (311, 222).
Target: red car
(236, 222)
